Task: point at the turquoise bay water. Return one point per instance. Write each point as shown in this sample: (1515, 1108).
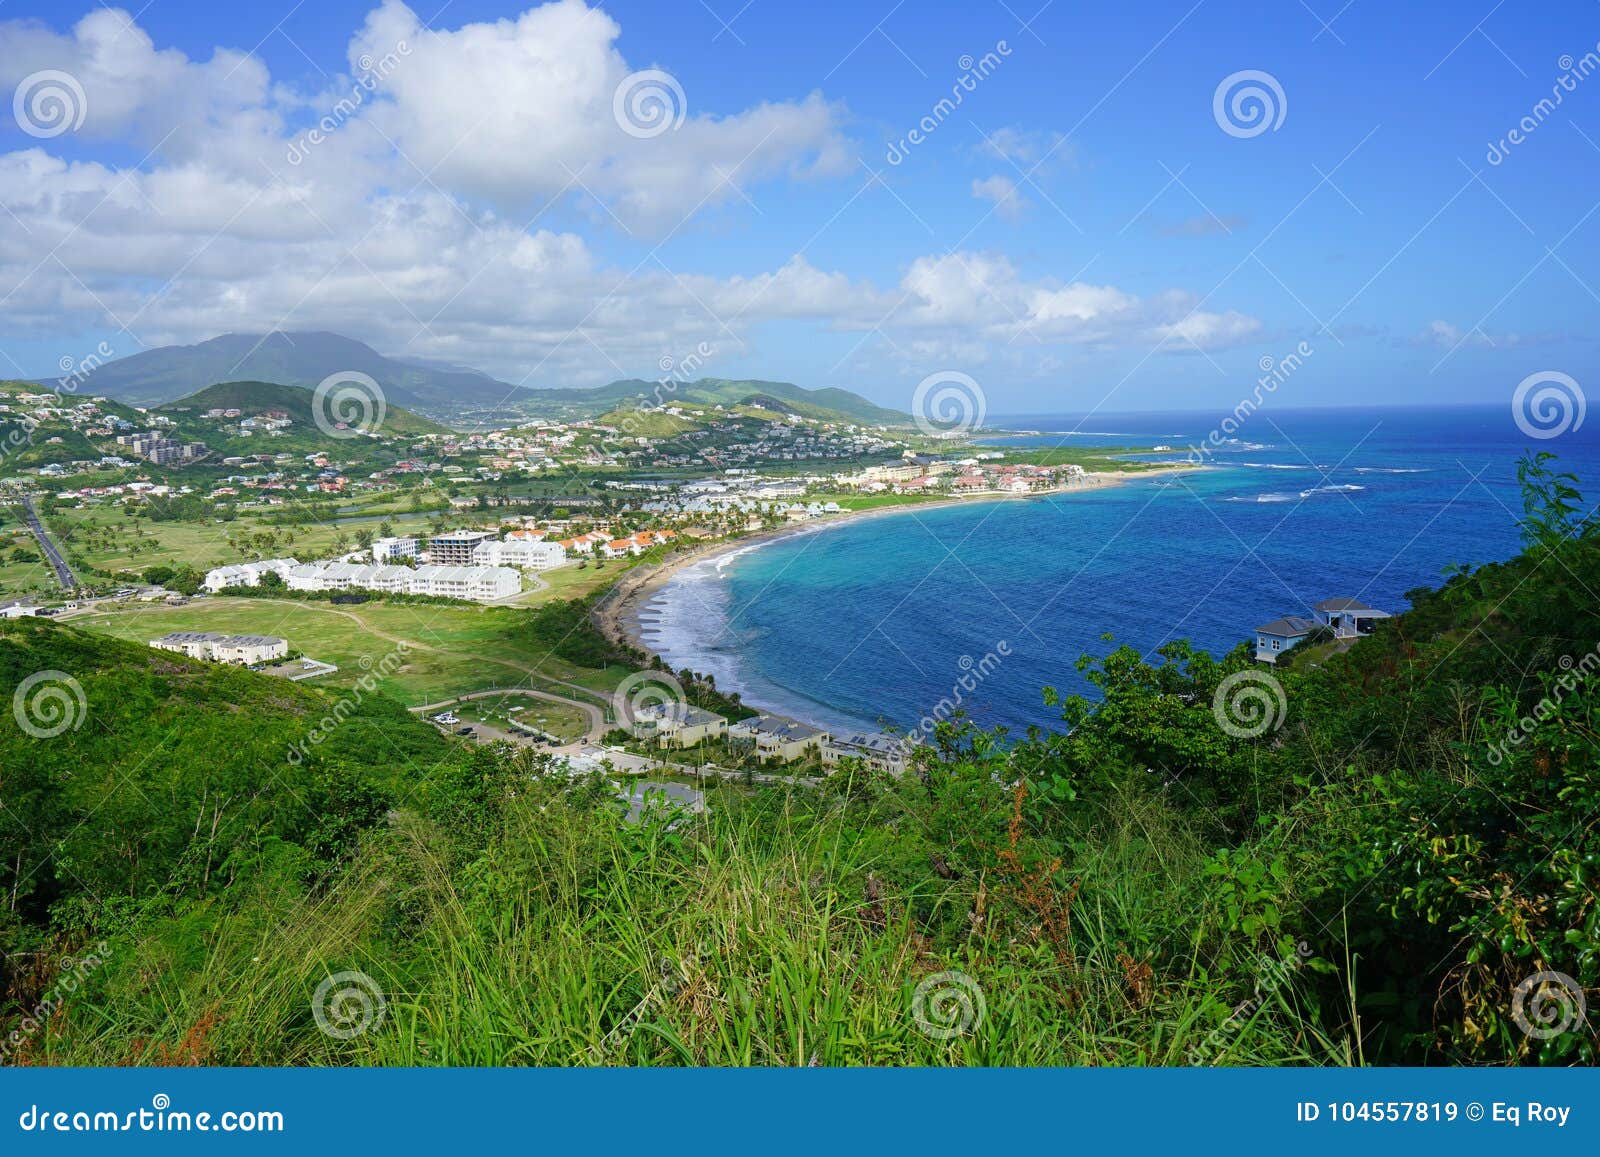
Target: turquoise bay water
(876, 620)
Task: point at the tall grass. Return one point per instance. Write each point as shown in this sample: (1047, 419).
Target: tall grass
(782, 929)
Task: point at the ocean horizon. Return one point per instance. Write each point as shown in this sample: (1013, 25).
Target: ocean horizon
(873, 622)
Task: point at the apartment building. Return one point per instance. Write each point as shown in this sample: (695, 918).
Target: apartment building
(456, 547)
(243, 650)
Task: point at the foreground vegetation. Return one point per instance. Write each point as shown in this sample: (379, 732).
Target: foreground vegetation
(1364, 874)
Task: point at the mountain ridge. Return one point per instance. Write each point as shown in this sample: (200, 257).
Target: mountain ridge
(429, 387)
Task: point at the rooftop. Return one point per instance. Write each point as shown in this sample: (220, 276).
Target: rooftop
(1288, 626)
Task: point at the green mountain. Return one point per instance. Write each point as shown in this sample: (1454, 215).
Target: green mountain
(294, 359)
(829, 404)
(448, 392)
(256, 398)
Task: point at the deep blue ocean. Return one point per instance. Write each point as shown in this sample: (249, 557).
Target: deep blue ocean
(874, 621)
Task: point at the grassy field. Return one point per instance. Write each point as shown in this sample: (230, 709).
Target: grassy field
(452, 650)
(106, 538)
(512, 710)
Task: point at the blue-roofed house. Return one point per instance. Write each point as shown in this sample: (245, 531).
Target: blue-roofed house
(1276, 637)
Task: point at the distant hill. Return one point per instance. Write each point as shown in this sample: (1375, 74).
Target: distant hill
(829, 403)
(647, 423)
(253, 398)
(438, 389)
(291, 359)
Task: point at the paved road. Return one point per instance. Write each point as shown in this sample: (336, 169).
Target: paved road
(64, 575)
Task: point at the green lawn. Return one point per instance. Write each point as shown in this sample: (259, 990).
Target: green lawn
(453, 650)
(106, 538)
(512, 710)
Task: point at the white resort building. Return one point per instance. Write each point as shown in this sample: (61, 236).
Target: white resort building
(525, 554)
(388, 549)
(248, 574)
(245, 650)
(475, 583)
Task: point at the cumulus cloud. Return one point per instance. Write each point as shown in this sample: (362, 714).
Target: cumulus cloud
(402, 203)
(987, 293)
(1002, 193)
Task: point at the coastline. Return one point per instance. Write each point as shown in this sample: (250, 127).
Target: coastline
(617, 614)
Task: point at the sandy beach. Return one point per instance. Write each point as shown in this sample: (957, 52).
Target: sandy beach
(617, 613)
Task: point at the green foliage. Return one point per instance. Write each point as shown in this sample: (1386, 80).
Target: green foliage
(1368, 877)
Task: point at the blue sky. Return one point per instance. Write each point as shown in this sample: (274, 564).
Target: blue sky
(1079, 233)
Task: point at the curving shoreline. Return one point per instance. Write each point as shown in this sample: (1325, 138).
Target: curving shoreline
(617, 614)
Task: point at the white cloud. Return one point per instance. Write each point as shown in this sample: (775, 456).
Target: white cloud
(1002, 193)
(406, 223)
(1450, 336)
